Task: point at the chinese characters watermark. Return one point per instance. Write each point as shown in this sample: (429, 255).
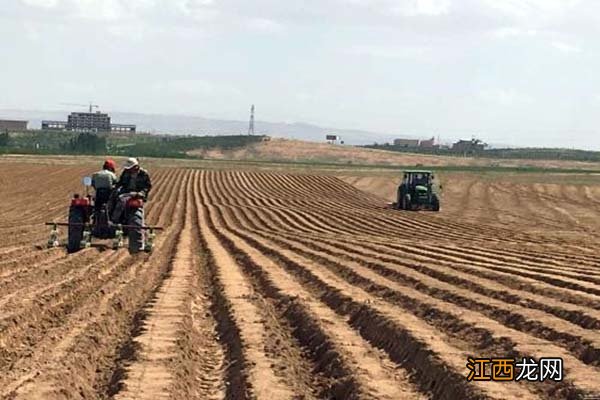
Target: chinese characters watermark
(512, 369)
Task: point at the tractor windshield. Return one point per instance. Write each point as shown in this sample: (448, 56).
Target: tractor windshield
(420, 179)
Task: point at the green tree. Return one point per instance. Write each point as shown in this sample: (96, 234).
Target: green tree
(87, 143)
(4, 139)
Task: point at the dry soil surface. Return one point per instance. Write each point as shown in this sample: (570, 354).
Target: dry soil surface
(280, 286)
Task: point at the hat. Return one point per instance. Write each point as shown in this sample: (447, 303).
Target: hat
(130, 163)
(109, 165)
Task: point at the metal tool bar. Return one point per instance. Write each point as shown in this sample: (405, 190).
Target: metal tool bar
(156, 228)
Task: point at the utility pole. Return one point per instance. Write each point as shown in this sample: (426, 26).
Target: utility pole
(251, 125)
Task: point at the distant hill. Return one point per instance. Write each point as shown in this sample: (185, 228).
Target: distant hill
(191, 125)
(309, 152)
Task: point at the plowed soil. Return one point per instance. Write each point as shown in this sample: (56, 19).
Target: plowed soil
(288, 286)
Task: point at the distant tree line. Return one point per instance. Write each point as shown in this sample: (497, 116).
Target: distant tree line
(4, 139)
(86, 143)
(178, 146)
(533, 153)
(43, 142)
(544, 154)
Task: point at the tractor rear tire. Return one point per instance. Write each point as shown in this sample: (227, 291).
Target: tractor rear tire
(406, 202)
(135, 236)
(75, 233)
(435, 203)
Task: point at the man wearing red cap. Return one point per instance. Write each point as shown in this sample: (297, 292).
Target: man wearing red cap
(104, 182)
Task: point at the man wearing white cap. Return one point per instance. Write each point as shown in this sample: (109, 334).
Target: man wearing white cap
(135, 181)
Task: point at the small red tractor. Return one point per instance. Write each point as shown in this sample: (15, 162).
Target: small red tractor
(89, 217)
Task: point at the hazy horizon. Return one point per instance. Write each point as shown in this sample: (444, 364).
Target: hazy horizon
(514, 72)
(185, 124)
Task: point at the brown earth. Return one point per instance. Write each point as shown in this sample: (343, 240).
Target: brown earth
(297, 150)
(546, 204)
(295, 286)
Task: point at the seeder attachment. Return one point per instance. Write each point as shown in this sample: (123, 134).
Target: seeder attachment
(87, 233)
(86, 240)
(149, 243)
(53, 241)
(118, 240)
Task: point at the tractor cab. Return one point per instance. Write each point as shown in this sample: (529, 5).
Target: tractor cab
(418, 191)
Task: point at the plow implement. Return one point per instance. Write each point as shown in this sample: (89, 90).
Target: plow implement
(114, 232)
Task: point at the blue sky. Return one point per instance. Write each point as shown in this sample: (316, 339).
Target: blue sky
(523, 72)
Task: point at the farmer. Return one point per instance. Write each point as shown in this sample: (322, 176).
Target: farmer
(420, 179)
(134, 182)
(104, 182)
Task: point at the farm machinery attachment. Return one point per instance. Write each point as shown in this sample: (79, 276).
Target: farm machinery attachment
(90, 217)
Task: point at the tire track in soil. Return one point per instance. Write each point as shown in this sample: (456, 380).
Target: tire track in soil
(152, 373)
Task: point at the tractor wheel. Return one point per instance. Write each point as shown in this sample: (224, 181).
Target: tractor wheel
(75, 233)
(135, 236)
(406, 202)
(435, 203)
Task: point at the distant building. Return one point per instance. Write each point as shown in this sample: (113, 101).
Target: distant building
(122, 128)
(88, 122)
(407, 143)
(416, 143)
(428, 144)
(12, 125)
(472, 146)
(54, 126)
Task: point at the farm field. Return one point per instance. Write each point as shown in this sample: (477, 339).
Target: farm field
(275, 285)
(560, 205)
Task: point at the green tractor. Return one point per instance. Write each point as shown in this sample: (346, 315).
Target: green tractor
(418, 191)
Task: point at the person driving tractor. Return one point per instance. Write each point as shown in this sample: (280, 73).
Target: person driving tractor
(134, 182)
(420, 179)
